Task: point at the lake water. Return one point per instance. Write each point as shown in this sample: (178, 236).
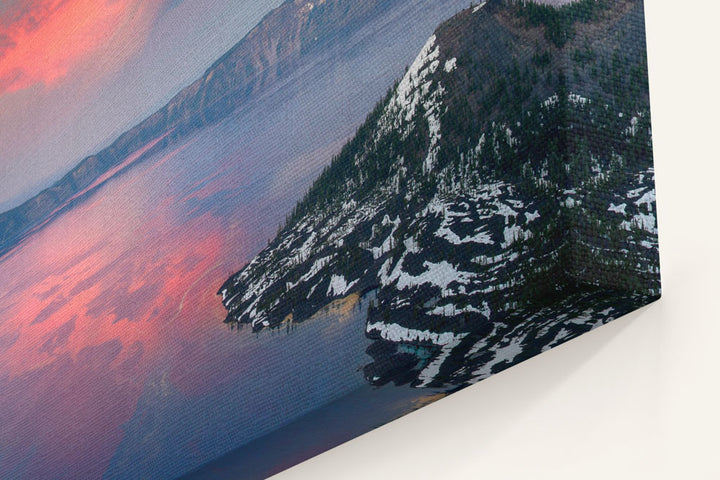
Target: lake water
(114, 360)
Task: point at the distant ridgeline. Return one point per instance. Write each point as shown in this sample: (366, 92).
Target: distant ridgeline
(250, 67)
(498, 201)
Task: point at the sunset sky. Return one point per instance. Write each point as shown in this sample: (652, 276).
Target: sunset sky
(74, 74)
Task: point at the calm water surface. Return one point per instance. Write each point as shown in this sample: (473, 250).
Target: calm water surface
(114, 354)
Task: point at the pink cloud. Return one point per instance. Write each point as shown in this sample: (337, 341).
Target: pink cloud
(44, 41)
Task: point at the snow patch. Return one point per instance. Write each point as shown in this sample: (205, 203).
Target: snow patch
(513, 234)
(477, 9)
(617, 209)
(393, 332)
(531, 217)
(648, 199)
(318, 265)
(450, 65)
(440, 275)
(433, 369)
(339, 286)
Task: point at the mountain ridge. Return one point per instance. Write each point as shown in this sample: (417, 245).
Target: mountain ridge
(248, 68)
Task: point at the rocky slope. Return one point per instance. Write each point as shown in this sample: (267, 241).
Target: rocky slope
(498, 201)
(273, 48)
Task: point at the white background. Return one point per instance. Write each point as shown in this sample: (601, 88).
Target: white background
(636, 399)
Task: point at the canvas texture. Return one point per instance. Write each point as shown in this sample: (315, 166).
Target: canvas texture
(239, 234)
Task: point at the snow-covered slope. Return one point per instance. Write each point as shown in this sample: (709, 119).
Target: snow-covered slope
(494, 204)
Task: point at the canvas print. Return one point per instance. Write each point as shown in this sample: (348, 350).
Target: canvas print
(237, 234)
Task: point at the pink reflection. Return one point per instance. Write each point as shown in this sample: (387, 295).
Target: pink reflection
(49, 39)
(99, 300)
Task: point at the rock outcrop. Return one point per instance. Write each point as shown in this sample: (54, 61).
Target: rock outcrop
(499, 199)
